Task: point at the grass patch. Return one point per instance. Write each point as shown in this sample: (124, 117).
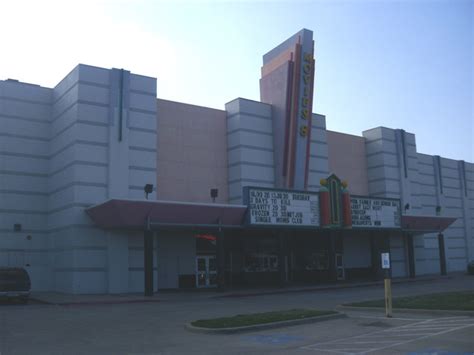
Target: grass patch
(453, 301)
(242, 320)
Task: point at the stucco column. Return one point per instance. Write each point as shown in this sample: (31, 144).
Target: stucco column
(117, 262)
(411, 255)
(332, 256)
(148, 262)
(220, 260)
(282, 257)
(442, 254)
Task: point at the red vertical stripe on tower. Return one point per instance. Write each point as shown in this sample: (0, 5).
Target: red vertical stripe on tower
(346, 209)
(294, 116)
(324, 207)
(310, 124)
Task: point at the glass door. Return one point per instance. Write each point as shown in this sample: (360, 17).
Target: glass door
(206, 271)
(340, 267)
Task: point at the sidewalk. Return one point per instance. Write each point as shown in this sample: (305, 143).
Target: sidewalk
(329, 286)
(56, 298)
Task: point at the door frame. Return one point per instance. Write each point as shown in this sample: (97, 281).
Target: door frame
(340, 267)
(207, 271)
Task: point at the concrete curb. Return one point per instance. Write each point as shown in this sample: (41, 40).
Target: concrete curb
(93, 303)
(329, 287)
(343, 308)
(264, 326)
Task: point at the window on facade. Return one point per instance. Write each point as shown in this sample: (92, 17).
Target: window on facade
(317, 261)
(261, 263)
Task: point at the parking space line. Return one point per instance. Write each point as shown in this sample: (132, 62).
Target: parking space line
(377, 333)
(407, 329)
(432, 327)
(369, 342)
(398, 335)
(438, 325)
(350, 349)
(418, 330)
(332, 351)
(347, 351)
(389, 338)
(416, 339)
(452, 319)
(385, 318)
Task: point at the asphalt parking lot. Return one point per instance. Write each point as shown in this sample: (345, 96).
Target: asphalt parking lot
(158, 327)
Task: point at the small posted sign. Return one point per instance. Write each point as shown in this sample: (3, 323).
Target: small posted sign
(385, 260)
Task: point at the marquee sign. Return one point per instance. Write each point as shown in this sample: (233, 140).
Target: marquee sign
(282, 207)
(375, 212)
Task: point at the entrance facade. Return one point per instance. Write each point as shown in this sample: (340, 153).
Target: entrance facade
(206, 271)
(237, 251)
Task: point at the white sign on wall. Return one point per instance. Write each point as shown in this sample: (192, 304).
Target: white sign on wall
(385, 260)
(375, 212)
(282, 207)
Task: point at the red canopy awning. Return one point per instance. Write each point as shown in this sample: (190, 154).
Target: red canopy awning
(426, 224)
(133, 214)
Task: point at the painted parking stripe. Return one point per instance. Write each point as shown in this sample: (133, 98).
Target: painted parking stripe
(375, 336)
(424, 328)
(389, 338)
(331, 344)
(334, 351)
(412, 340)
(452, 320)
(438, 324)
(385, 318)
(368, 342)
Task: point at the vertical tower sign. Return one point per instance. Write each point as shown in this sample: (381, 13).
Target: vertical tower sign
(287, 84)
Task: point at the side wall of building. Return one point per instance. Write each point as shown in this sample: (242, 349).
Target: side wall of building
(101, 134)
(448, 185)
(319, 152)
(424, 185)
(25, 111)
(192, 152)
(91, 138)
(249, 146)
(348, 160)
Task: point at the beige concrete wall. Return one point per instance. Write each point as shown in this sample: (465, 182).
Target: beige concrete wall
(192, 152)
(347, 159)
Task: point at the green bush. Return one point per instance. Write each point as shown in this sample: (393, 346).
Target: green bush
(455, 301)
(241, 320)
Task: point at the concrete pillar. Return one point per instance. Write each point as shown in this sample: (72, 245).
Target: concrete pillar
(374, 256)
(148, 262)
(220, 253)
(411, 255)
(282, 257)
(332, 256)
(117, 262)
(442, 254)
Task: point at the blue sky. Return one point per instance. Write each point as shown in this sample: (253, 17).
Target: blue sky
(399, 64)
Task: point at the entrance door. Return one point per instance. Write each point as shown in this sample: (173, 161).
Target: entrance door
(340, 267)
(206, 271)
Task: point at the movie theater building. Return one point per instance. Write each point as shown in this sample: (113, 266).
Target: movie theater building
(106, 189)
